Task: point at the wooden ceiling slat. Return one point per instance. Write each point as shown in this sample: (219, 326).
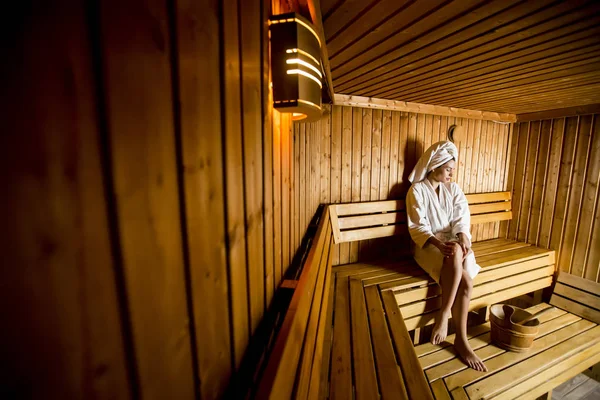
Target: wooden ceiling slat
(396, 16)
(477, 48)
(440, 47)
(563, 74)
(484, 77)
(538, 52)
(367, 23)
(496, 56)
(414, 37)
(533, 103)
(344, 15)
(525, 92)
(328, 6)
(563, 83)
(559, 113)
(591, 26)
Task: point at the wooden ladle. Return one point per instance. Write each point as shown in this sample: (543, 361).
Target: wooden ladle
(537, 314)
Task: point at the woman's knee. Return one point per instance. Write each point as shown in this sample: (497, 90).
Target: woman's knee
(466, 283)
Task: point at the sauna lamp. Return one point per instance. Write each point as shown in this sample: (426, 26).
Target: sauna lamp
(296, 67)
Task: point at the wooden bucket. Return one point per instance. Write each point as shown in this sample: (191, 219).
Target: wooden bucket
(508, 335)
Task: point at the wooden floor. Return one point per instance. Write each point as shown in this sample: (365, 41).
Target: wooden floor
(581, 387)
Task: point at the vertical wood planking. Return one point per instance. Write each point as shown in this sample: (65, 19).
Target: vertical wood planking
(385, 155)
(139, 106)
(564, 187)
(563, 212)
(530, 166)
(356, 167)
(251, 56)
(376, 153)
(276, 173)
(336, 162)
(346, 172)
(203, 173)
(63, 335)
(234, 169)
(394, 156)
(576, 193)
(325, 155)
(539, 181)
(365, 186)
(588, 203)
(286, 127)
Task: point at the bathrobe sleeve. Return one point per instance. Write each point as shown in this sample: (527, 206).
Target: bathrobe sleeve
(461, 216)
(418, 222)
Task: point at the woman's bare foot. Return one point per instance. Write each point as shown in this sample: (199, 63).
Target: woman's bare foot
(440, 329)
(469, 357)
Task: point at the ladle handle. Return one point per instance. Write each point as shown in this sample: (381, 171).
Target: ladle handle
(537, 314)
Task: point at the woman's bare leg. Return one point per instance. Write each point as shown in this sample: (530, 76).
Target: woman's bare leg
(450, 278)
(460, 311)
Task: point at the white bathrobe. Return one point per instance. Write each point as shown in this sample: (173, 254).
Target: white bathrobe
(442, 215)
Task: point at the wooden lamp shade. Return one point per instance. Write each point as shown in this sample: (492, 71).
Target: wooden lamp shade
(296, 67)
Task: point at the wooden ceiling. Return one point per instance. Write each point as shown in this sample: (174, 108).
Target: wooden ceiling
(498, 55)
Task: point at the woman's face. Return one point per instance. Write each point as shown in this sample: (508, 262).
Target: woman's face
(444, 173)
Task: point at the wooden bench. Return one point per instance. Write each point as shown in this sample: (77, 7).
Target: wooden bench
(293, 369)
(372, 353)
(346, 332)
(567, 344)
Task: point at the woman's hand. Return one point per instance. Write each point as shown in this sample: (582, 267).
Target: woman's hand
(447, 249)
(464, 243)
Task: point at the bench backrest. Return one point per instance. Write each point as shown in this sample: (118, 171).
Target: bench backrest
(369, 220)
(294, 366)
(578, 296)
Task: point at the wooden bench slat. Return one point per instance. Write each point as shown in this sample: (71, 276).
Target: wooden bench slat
(514, 256)
(327, 340)
(373, 233)
(312, 353)
(489, 274)
(439, 390)
(413, 375)
(575, 308)
(508, 358)
(498, 248)
(580, 283)
(391, 383)
(491, 217)
(476, 198)
(476, 209)
(279, 376)
(368, 207)
(533, 365)
(363, 221)
(560, 373)
(341, 353)
(577, 295)
(362, 355)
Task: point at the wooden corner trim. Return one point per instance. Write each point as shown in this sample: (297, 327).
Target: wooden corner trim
(559, 113)
(395, 105)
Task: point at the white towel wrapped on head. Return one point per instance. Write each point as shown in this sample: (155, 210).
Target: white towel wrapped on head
(436, 155)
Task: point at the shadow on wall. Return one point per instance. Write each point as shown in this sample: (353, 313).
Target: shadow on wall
(400, 244)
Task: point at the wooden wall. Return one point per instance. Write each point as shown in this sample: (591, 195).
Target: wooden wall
(146, 207)
(361, 154)
(555, 176)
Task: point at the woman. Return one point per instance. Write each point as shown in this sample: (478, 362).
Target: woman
(438, 222)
